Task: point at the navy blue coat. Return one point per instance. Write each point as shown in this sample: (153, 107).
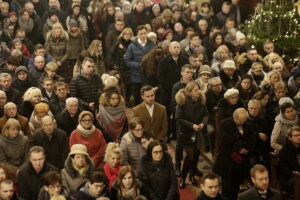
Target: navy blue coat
(134, 56)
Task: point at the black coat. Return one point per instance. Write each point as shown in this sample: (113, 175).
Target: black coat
(232, 141)
(202, 196)
(82, 193)
(159, 180)
(22, 86)
(226, 110)
(288, 162)
(176, 87)
(66, 122)
(26, 109)
(252, 194)
(13, 95)
(229, 82)
(29, 182)
(168, 74)
(85, 88)
(212, 100)
(187, 115)
(56, 148)
(56, 106)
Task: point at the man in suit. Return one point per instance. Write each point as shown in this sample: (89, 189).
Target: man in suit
(261, 189)
(152, 114)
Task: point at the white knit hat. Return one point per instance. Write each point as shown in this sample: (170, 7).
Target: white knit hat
(229, 64)
(285, 100)
(78, 149)
(231, 92)
(239, 35)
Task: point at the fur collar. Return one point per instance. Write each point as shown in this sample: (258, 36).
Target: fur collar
(72, 171)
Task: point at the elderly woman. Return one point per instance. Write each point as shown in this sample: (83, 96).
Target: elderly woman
(31, 97)
(88, 135)
(40, 111)
(127, 186)
(192, 116)
(286, 119)
(111, 115)
(269, 81)
(203, 77)
(157, 173)
(229, 103)
(220, 55)
(14, 146)
(229, 75)
(112, 165)
(131, 146)
(57, 47)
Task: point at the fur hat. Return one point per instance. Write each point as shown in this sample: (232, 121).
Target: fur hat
(84, 113)
(205, 69)
(21, 68)
(78, 149)
(239, 35)
(285, 100)
(229, 64)
(231, 92)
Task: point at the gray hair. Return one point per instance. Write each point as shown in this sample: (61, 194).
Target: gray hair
(9, 104)
(4, 75)
(36, 149)
(71, 99)
(16, 52)
(213, 79)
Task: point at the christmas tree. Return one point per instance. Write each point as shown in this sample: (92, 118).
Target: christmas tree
(277, 21)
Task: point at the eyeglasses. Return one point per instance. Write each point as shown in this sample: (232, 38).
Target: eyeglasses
(216, 85)
(297, 135)
(157, 152)
(86, 120)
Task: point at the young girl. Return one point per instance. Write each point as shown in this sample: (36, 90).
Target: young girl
(112, 165)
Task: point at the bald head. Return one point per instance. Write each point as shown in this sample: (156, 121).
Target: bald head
(174, 49)
(240, 116)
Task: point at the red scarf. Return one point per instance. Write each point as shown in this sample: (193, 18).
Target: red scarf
(111, 174)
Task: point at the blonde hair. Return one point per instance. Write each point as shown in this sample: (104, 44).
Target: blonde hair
(51, 66)
(11, 122)
(124, 31)
(267, 78)
(180, 95)
(109, 80)
(30, 92)
(93, 48)
(112, 147)
(4, 5)
(41, 108)
(279, 85)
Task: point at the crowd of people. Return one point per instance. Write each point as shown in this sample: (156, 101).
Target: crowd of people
(92, 91)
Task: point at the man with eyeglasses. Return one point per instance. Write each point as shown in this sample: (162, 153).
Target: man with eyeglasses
(289, 160)
(10, 111)
(53, 186)
(94, 188)
(261, 189)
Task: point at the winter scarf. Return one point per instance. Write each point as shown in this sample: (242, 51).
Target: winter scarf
(111, 174)
(84, 132)
(27, 26)
(112, 120)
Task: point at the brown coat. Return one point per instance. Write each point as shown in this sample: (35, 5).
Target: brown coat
(157, 126)
(23, 121)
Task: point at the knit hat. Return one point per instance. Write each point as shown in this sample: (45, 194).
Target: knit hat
(285, 100)
(256, 67)
(52, 12)
(229, 64)
(84, 113)
(21, 68)
(154, 6)
(205, 69)
(16, 40)
(12, 13)
(239, 35)
(231, 92)
(296, 73)
(73, 23)
(78, 149)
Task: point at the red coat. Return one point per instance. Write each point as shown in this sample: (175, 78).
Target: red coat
(95, 145)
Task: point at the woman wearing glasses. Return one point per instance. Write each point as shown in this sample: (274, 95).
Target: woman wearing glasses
(88, 135)
(157, 173)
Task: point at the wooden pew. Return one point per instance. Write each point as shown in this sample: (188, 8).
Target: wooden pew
(217, 132)
(274, 183)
